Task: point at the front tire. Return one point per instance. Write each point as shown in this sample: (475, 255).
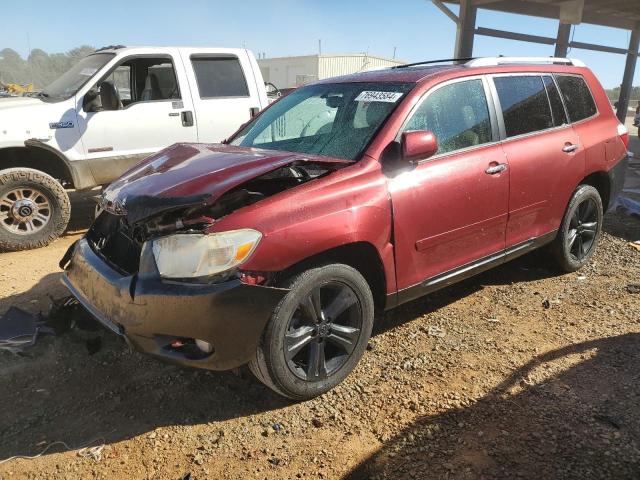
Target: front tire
(34, 209)
(317, 333)
(580, 229)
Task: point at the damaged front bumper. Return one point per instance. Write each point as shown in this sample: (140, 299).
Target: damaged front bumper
(153, 313)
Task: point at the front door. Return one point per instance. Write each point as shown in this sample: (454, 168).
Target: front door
(146, 106)
(450, 211)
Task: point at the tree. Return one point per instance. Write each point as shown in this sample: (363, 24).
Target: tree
(40, 68)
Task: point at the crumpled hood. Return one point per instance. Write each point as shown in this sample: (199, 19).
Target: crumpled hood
(188, 174)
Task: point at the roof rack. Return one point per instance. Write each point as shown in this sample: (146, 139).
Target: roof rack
(494, 61)
(427, 62)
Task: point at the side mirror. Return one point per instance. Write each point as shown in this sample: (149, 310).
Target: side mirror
(418, 145)
(91, 102)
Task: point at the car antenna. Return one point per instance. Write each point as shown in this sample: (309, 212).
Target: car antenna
(427, 62)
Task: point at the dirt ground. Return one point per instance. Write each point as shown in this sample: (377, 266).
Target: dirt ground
(518, 373)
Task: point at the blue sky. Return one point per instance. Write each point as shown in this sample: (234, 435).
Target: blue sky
(287, 27)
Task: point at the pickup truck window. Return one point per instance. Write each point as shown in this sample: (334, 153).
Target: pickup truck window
(142, 79)
(337, 120)
(70, 82)
(121, 78)
(219, 77)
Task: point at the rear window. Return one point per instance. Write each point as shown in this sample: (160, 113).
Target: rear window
(219, 77)
(577, 97)
(525, 105)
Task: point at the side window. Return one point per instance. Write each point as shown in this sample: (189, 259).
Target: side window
(160, 82)
(577, 97)
(219, 77)
(524, 103)
(559, 115)
(457, 114)
(121, 79)
(136, 80)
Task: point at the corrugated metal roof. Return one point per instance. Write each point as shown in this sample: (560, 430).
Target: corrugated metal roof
(608, 13)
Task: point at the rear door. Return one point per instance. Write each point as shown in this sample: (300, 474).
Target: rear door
(154, 111)
(545, 155)
(226, 90)
(450, 211)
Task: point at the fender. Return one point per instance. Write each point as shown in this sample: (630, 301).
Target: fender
(79, 170)
(348, 206)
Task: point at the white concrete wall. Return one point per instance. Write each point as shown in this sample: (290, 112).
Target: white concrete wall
(335, 65)
(289, 72)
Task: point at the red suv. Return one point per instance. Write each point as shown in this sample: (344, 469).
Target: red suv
(346, 197)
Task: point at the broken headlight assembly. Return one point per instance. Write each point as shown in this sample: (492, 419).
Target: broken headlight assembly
(199, 255)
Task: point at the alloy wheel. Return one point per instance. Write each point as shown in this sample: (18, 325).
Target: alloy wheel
(323, 331)
(24, 211)
(583, 229)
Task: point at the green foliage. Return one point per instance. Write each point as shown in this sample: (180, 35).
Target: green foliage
(614, 94)
(40, 68)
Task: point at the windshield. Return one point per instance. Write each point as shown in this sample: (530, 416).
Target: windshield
(336, 120)
(70, 82)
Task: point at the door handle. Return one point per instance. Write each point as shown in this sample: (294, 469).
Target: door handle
(496, 168)
(569, 147)
(174, 114)
(187, 118)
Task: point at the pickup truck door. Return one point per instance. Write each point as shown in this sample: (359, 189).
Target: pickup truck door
(155, 111)
(450, 210)
(227, 90)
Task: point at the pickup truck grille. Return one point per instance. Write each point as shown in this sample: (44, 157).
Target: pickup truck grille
(112, 239)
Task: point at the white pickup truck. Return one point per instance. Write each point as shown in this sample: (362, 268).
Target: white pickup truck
(113, 108)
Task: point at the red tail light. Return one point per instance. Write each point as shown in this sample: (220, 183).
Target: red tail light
(624, 135)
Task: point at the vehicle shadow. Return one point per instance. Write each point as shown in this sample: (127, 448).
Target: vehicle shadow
(583, 421)
(57, 391)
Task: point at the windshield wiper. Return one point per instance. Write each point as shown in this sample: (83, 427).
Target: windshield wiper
(43, 94)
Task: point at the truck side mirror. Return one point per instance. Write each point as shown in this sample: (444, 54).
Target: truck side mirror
(418, 145)
(91, 101)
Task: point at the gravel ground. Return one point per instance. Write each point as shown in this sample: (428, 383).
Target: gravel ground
(518, 373)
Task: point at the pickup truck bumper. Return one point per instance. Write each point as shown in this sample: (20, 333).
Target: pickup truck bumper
(152, 313)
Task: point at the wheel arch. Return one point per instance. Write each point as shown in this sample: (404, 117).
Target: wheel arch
(602, 183)
(362, 256)
(44, 160)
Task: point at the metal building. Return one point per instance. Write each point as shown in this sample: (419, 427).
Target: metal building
(289, 72)
(623, 14)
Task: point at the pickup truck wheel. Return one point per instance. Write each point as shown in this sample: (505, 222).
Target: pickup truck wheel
(34, 209)
(580, 229)
(317, 333)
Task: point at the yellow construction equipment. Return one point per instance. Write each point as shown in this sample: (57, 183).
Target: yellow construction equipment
(16, 88)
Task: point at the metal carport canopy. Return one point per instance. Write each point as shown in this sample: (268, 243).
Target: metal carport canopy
(624, 14)
(609, 13)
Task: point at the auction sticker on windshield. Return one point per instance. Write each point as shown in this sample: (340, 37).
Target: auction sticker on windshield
(372, 96)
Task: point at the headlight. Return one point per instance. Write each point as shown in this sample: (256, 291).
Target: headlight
(193, 255)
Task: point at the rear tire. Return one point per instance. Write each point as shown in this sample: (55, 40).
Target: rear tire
(580, 229)
(317, 333)
(34, 209)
